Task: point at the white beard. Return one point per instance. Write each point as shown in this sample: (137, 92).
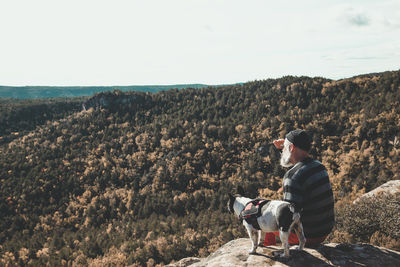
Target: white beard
(285, 158)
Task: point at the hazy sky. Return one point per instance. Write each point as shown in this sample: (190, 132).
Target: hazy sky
(129, 42)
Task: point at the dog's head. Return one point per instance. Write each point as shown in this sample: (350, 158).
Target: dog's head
(240, 190)
(232, 198)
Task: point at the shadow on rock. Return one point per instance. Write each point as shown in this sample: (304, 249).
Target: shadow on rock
(297, 258)
(358, 255)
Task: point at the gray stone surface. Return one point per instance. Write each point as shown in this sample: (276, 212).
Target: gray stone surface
(235, 253)
(389, 188)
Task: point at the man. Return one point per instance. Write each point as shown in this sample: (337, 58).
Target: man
(307, 186)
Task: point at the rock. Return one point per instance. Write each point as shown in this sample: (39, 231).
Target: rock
(185, 262)
(115, 98)
(389, 188)
(235, 253)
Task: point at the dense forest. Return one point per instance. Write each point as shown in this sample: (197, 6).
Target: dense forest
(142, 178)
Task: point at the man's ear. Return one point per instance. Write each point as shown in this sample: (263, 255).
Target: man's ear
(240, 190)
(291, 148)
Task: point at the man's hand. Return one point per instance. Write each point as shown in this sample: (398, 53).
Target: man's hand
(279, 143)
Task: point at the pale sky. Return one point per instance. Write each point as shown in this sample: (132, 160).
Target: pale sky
(148, 42)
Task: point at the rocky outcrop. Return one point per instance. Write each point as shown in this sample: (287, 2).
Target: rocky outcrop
(115, 98)
(389, 188)
(235, 253)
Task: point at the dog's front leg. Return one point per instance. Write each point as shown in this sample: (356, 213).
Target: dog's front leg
(259, 238)
(253, 239)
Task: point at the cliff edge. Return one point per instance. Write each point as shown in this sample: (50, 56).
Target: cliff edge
(235, 253)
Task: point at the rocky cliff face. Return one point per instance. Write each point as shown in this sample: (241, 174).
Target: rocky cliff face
(109, 99)
(235, 253)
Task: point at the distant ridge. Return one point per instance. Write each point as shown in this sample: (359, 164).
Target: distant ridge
(26, 92)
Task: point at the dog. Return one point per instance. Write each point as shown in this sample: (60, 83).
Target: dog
(275, 215)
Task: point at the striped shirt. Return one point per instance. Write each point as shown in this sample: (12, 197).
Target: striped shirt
(307, 186)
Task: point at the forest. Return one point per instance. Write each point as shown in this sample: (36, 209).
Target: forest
(140, 178)
(37, 92)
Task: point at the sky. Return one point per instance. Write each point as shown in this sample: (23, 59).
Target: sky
(148, 42)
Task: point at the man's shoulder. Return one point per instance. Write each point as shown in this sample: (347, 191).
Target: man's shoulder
(310, 163)
(307, 169)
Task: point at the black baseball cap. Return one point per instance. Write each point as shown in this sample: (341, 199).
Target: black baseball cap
(300, 139)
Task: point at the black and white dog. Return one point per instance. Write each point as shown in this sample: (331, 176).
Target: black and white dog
(276, 215)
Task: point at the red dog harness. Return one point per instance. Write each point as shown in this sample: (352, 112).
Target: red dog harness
(252, 211)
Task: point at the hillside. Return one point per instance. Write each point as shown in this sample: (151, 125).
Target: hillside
(33, 92)
(143, 178)
(19, 117)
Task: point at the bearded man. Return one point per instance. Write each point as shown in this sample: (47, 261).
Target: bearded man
(307, 186)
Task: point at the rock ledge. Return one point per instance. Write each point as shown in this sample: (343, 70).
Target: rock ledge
(235, 253)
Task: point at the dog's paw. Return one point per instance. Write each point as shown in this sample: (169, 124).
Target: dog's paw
(252, 251)
(280, 254)
(283, 256)
(276, 253)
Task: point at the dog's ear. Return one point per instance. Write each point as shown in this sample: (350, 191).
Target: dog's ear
(240, 190)
(230, 202)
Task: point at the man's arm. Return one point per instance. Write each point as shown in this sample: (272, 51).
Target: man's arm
(292, 192)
